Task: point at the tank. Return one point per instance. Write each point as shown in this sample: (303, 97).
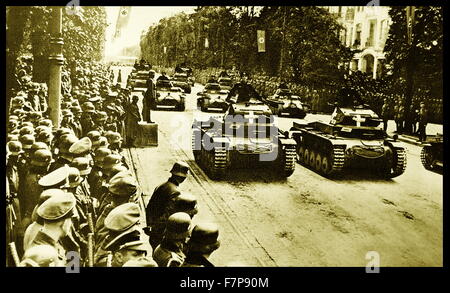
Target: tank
(284, 103)
(352, 140)
(244, 137)
(432, 154)
(139, 80)
(168, 97)
(212, 98)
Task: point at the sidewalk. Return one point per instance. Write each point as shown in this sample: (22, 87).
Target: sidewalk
(431, 129)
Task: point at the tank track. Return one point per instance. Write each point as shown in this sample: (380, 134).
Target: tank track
(289, 161)
(338, 160)
(194, 151)
(423, 157)
(217, 162)
(400, 163)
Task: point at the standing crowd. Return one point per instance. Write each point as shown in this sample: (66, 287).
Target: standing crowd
(70, 189)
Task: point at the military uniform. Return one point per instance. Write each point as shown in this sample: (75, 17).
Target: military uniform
(244, 92)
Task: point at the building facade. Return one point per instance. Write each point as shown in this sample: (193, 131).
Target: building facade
(366, 28)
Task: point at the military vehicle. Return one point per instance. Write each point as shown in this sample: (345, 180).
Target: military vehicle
(285, 103)
(181, 80)
(245, 137)
(186, 70)
(212, 98)
(432, 154)
(225, 82)
(352, 139)
(138, 80)
(168, 96)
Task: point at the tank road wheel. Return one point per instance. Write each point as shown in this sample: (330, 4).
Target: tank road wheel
(334, 162)
(195, 151)
(312, 159)
(288, 162)
(426, 156)
(301, 155)
(398, 163)
(217, 162)
(306, 156)
(318, 163)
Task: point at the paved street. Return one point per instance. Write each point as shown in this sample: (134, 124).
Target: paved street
(305, 220)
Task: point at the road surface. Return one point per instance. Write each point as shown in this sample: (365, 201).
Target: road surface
(306, 219)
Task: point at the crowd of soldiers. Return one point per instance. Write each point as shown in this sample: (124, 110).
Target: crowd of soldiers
(70, 189)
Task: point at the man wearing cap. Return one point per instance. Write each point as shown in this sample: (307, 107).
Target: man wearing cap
(40, 256)
(30, 189)
(202, 243)
(122, 189)
(170, 253)
(122, 220)
(148, 99)
(57, 213)
(161, 197)
(423, 120)
(243, 91)
(64, 156)
(132, 119)
(87, 123)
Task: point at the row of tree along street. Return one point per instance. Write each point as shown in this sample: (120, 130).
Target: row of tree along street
(302, 48)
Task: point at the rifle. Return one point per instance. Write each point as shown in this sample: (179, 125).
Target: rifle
(109, 259)
(13, 250)
(90, 249)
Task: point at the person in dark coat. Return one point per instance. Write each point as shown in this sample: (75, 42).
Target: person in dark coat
(132, 120)
(148, 99)
(161, 198)
(243, 90)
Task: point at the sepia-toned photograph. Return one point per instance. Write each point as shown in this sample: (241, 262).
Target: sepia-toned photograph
(224, 136)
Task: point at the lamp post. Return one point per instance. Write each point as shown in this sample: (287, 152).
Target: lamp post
(56, 61)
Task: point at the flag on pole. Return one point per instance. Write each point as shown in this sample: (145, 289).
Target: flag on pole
(122, 20)
(410, 13)
(261, 37)
(206, 43)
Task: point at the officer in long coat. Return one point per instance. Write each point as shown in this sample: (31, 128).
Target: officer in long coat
(243, 91)
(149, 96)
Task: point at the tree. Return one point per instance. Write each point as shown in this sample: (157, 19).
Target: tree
(420, 63)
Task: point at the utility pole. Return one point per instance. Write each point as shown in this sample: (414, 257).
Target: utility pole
(56, 61)
(282, 44)
(410, 19)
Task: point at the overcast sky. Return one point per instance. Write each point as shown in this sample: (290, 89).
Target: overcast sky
(141, 18)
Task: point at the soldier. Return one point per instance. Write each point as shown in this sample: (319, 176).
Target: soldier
(95, 178)
(385, 113)
(203, 242)
(423, 120)
(57, 213)
(122, 220)
(149, 97)
(122, 188)
(37, 222)
(146, 262)
(170, 253)
(30, 189)
(212, 79)
(87, 122)
(163, 76)
(243, 90)
(64, 155)
(133, 118)
(161, 197)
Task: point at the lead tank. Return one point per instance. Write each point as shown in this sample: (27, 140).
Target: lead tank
(245, 137)
(352, 139)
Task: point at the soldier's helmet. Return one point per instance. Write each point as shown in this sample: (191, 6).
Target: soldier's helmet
(12, 137)
(26, 130)
(88, 107)
(101, 116)
(41, 158)
(101, 142)
(100, 155)
(38, 145)
(186, 202)
(40, 256)
(41, 128)
(115, 169)
(81, 147)
(14, 148)
(123, 217)
(111, 160)
(123, 186)
(204, 238)
(27, 141)
(82, 164)
(65, 142)
(74, 178)
(45, 136)
(178, 226)
(180, 169)
(12, 124)
(94, 135)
